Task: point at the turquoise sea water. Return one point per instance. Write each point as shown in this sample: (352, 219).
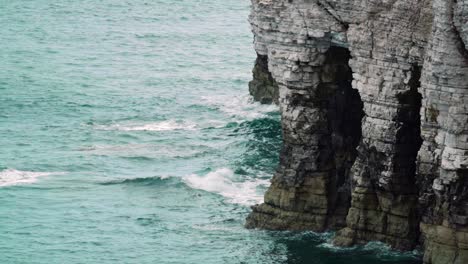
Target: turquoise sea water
(127, 136)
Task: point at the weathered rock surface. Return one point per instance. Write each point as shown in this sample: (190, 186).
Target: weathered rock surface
(374, 103)
(263, 87)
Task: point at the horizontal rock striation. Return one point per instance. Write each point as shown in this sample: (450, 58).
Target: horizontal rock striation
(374, 102)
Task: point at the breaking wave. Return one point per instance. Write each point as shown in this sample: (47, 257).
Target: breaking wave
(221, 182)
(239, 106)
(167, 125)
(14, 177)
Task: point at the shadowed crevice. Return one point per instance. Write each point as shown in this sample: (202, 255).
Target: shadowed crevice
(345, 112)
(263, 87)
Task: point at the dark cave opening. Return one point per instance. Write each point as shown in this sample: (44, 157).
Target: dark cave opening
(408, 144)
(409, 139)
(344, 112)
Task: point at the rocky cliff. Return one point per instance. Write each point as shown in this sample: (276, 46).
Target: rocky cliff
(374, 103)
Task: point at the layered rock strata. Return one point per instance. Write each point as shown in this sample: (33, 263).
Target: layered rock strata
(374, 102)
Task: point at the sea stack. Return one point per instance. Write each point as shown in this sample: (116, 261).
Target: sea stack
(374, 103)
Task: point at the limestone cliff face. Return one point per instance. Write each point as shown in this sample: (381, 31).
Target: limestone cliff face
(374, 103)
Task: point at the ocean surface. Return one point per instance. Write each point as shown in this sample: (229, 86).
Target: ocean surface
(127, 136)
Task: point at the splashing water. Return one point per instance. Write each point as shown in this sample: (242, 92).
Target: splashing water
(221, 182)
(14, 177)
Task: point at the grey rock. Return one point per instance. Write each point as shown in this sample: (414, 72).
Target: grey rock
(374, 102)
(263, 87)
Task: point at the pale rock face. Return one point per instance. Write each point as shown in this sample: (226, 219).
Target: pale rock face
(374, 103)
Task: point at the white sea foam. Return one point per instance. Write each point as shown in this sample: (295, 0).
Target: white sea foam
(383, 250)
(14, 177)
(240, 106)
(330, 246)
(221, 182)
(376, 248)
(167, 125)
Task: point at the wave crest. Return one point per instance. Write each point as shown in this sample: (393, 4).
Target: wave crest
(221, 182)
(14, 177)
(242, 107)
(167, 125)
(139, 181)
